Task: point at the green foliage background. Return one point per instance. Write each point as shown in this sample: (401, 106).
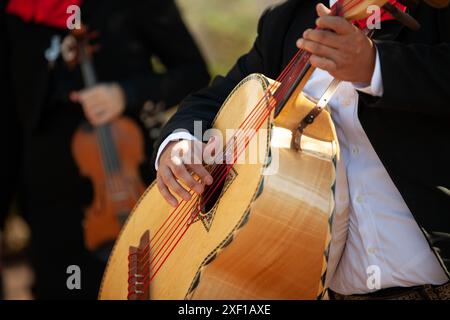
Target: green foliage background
(224, 29)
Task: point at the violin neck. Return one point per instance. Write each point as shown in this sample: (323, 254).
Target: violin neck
(107, 146)
(87, 69)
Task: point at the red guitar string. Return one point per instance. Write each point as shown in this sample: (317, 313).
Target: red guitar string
(185, 202)
(193, 217)
(286, 70)
(268, 110)
(246, 120)
(262, 117)
(178, 238)
(181, 220)
(180, 216)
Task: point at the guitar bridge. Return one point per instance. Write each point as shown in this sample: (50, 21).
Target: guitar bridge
(139, 269)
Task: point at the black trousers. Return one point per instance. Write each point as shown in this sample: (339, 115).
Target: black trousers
(54, 197)
(9, 160)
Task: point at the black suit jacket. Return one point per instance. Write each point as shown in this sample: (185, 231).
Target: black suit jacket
(409, 127)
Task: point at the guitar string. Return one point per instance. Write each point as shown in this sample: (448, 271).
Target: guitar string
(158, 232)
(185, 202)
(236, 157)
(180, 216)
(263, 116)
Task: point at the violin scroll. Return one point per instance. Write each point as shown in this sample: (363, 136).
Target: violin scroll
(77, 44)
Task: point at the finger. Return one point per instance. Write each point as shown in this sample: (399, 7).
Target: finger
(317, 48)
(201, 171)
(101, 118)
(74, 96)
(97, 114)
(323, 63)
(337, 24)
(209, 150)
(322, 10)
(93, 109)
(95, 93)
(172, 183)
(181, 173)
(93, 119)
(92, 100)
(165, 192)
(324, 37)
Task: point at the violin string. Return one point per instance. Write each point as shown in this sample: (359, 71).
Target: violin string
(103, 142)
(118, 183)
(230, 166)
(103, 156)
(105, 147)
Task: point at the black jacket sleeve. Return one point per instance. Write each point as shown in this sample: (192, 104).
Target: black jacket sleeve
(205, 104)
(163, 29)
(416, 76)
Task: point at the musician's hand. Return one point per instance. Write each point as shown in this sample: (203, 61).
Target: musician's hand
(101, 103)
(176, 165)
(345, 51)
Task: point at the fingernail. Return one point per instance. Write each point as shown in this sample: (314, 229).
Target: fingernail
(300, 43)
(305, 34)
(199, 189)
(173, 203)
(209, 180)
(211, 139)
(187, 198)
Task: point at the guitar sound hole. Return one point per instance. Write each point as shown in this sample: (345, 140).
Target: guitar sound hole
(212, 193)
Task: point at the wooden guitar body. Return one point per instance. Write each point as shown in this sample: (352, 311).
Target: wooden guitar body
(266, 235)
(117, 185)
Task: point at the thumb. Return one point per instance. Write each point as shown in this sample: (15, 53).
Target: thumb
(322, 10)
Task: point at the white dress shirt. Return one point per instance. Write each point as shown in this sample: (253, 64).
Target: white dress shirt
(382, 234)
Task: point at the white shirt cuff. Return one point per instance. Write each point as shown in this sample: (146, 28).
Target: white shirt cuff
(376, 84)
(181, 135)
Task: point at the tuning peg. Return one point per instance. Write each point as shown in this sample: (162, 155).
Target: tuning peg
(402, 17)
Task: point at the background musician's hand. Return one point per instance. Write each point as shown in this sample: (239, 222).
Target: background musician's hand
(101, 103)
(177, 163)
(339, 48)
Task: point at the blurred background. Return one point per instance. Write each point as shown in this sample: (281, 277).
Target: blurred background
(224, 30)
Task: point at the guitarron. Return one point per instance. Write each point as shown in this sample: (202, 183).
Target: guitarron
(250, 235)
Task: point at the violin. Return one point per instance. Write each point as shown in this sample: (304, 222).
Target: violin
(109, 155)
